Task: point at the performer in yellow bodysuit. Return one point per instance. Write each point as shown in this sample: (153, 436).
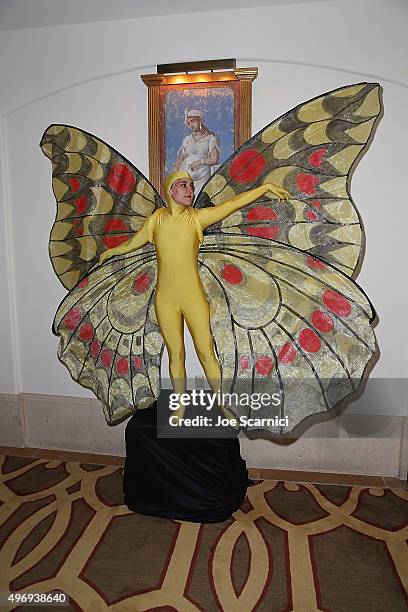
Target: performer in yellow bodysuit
(177, 232)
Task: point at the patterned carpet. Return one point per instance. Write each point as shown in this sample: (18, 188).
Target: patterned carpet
(290, 546)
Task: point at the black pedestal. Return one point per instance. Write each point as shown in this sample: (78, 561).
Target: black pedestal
(193, 479)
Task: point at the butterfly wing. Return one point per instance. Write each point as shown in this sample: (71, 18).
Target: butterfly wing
(284, 322)
(110, 339)
(311, 152)
(102, 199)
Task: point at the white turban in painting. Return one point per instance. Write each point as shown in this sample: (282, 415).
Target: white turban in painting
(193, 113)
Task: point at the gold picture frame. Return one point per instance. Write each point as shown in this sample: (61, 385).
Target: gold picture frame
(194, 79)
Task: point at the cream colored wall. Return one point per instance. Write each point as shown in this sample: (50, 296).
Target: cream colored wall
(88, 75)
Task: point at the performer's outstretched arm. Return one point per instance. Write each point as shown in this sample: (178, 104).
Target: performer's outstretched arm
(208, 216)
(135, 242)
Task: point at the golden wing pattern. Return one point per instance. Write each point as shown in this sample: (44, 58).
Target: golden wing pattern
(286, 315)
(110, 339)
(310, 151)
(285, 322)
(102, 200)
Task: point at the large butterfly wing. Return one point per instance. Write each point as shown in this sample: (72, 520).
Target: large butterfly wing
(311, 152)
(284, 322)
(102, 199)
(110, 339)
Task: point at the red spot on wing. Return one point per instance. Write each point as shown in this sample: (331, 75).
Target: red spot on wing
(137, 362)
(263, 231)
(95, 348)
(86, 332)
(311, 215)
(122, 366)
(73, 318)
(260, 213)
(106, 358)
(316, 203)
(112, 241)
(78, 227)
(264, 365)
(337, 303)
(247, 166)
(244, 362)
(307, 183)
(322, 321)
(121, 179)
(232, 274)
(141, 282)
(309, 341)
(315, 263)
(316, 158)
(80, 204)
(83, 283)
(74, 184)
(287, 353)
(115, 225)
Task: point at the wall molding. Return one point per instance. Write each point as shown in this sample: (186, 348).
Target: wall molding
(403, 471)
(8, 247)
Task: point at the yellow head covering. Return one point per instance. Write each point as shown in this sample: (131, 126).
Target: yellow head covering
(169, 180)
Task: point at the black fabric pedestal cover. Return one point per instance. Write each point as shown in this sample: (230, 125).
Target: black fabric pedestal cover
(192, 479)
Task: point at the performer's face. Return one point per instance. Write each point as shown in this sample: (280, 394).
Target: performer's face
(182, 191)
(194, 123)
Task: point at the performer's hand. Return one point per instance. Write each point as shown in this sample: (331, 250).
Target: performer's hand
(277, 191)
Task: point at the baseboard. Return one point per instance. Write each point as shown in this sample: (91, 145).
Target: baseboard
(77, 424)
(11, 420)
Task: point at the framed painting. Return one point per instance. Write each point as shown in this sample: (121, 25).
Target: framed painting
(196, 121)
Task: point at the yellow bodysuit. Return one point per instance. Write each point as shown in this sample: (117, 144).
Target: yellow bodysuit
(177, 232)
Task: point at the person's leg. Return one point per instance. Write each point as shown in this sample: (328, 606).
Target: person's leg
(197, 317)
(170, 320)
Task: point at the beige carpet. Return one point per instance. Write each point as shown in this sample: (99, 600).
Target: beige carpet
(290, 546)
